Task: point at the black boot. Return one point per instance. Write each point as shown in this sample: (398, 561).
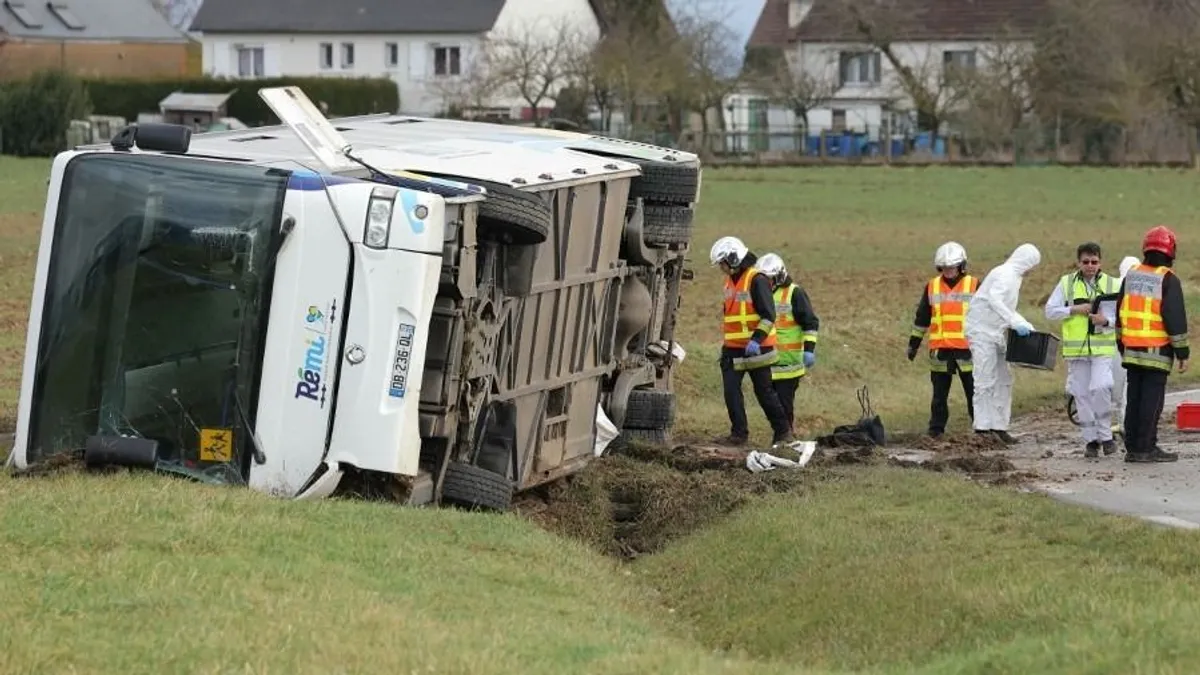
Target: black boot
(1160, 455)
(1006, 437)
(1109, 447)
(731, 441)
(1092, 449)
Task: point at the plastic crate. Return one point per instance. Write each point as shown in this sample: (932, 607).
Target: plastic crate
(1036, 350)
(1187, 417)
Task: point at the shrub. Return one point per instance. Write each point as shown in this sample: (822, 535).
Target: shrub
(344, 96)
(36, 113)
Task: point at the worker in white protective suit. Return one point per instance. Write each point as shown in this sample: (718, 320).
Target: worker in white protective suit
(993, 310)
(1118, 370)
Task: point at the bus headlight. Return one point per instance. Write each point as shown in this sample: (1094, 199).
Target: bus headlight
(379, 217)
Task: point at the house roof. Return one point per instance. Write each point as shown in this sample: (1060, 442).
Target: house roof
(353, 16)
(941, 20)
(123, 20)
(771, 30)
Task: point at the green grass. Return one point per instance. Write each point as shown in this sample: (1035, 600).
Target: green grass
(852, 569)
(146, 575)
(22, 197)
(908, 572)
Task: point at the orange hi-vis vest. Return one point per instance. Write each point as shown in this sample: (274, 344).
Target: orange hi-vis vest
(1141, 308)
(949, 311)
(741, 319)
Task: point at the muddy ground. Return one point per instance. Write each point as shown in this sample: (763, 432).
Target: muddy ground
(637, 499)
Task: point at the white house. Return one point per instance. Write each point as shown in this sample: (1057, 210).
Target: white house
(862, 89)
(425, 46)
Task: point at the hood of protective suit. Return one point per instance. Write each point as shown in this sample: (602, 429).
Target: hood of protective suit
(1128, 264)
(1024, 258)
(994, 307)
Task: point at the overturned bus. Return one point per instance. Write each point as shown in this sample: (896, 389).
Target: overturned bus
(457, 309)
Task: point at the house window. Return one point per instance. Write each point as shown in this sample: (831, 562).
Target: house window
(250, 61)
(66, 16)
(958, 59)
(19, 10)
(347, 54)
(325, 51)
(860, 68)
(446, 61)
(391, 55)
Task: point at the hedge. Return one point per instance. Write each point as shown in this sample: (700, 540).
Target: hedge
(344, 96)
(35, 113)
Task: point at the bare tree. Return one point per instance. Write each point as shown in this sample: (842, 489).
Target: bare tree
(1176, 42)
(922, 78)
(707, 57)
(796, 85)
(473, 89)
(708, 60)
(640, 68)
(1104, 65)
(996, 97)
(533, 60)
(587, 65)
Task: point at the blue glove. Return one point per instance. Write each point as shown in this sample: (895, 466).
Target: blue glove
(809, 359)
(753, 349)
(1022, 330)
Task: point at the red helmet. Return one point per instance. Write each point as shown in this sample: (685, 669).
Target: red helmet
(1160, 238)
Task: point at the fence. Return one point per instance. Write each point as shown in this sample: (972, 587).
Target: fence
(1167, 143)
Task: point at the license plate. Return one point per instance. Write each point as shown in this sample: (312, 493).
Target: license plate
(398, 384)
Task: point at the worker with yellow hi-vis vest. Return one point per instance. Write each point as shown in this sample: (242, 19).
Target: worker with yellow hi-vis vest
(1089, 340)
(796, 327)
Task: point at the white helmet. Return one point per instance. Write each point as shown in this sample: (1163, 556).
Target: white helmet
(729, 250)
(950, 254)
(771, 265)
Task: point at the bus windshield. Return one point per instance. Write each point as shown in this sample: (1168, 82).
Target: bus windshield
(156, 309)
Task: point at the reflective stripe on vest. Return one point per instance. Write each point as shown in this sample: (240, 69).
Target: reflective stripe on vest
(741, 319)
(948, 307)
(1142, 329)
(1141, 308)
(789, 337)
(1076, 342)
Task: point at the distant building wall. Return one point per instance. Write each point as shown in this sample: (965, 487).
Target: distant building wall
(98, 59)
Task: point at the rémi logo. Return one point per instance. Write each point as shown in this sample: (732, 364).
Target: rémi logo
(311, 376)
(311, 383)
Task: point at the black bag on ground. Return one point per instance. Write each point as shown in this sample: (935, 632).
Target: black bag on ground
(866, 433)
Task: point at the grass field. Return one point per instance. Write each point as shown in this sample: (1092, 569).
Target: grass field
(842, 569)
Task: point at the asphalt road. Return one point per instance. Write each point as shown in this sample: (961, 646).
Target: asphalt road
(1051, 449)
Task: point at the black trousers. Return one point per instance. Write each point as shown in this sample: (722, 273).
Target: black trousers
(939, 406)
(1144, 406)
(735, 403)
(786, 391)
